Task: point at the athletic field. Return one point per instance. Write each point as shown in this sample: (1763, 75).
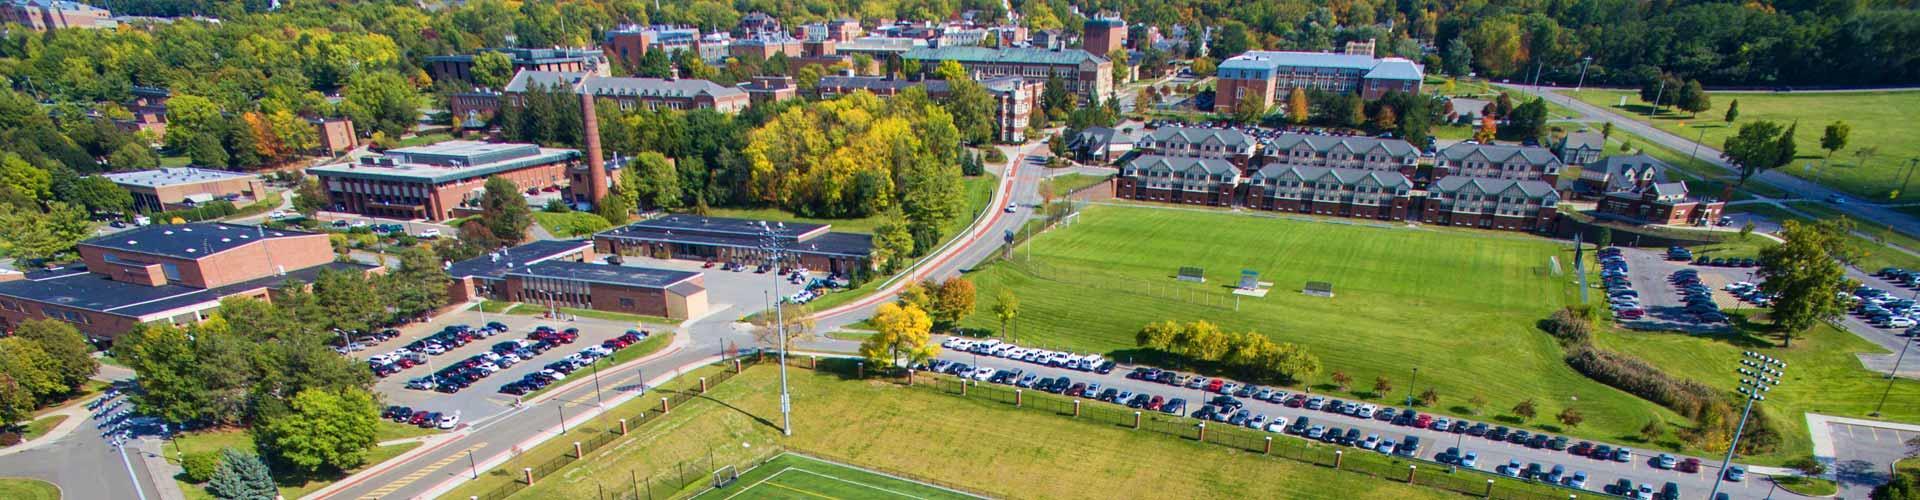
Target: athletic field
(803, 477)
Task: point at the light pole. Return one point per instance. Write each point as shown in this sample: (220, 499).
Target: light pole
(1415, 381)
(775, 248)
(1583, 73)
(1891, 375)
(1695, 153)
(1759, 377)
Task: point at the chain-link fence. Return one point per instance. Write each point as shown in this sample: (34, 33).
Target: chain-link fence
(1392, 468)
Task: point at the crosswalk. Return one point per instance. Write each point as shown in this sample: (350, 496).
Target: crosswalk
(421, 473)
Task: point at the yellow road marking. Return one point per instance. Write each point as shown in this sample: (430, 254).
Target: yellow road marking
(422, 472)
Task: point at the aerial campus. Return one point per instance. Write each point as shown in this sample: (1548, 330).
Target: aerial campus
(889, 249)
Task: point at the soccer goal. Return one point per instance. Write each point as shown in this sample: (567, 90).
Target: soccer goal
(725, 476)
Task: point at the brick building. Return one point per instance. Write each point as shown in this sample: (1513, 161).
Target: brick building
(1486, 203)
(765, 46)
(1227, 144)
(1580, 147)
(562, 274)
(149, 109)
(628, 44)
(1493, 161)
(1344, 192)
(460, 67)
(1267, 76)
(171, 188)
(1103, 35)
(436, 181)
(721, 239)
(165, 273)
(1178, 179)
(769, 89)
(1363, 153)
(480, 107)
(336, 134)
(1637, 188)
(1086, 74)
(43, 15)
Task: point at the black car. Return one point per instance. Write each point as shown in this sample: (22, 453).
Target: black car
(1498, 433)
(1519, 437)
(1352, 437)
(1107, 395)
(1538, 441)
(1104, 368)
(1409, 446)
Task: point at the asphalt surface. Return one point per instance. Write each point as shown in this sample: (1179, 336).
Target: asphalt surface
(1491, 454)
(1862, 455)
(438, 465)
(86, 464)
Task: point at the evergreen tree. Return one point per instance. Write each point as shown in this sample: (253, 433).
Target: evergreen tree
(1733, 111)
(1785, 147)
(505, 211)
(242, 476)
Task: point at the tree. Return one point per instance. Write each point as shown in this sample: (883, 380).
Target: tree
(505, 211)
(796, 318)
(1382, 385)
(1429, 397)
(970, 104)
(1693, 98)
(348, 300)
(1653, 430)
(1249, 111)
(1733, 111)
(1356, 115)
(320, 429)
(381, 101)
(419, 285)
(1340, 379)
(1458, 58)
(94, 193)
(656, 184)
(1056, 99)
(1807, 465)
(72, 360)
(1297, 106)
(1158, 335)
(1662, 91)
(16, 402)
(132, 156)
(901, 332)
(1488, 130)
(1121, 67)
(1570, 417)
(309, 197)
(1755, 148)
(1805, 274)
(32, 235)
(241, 476)
(492, 70)
(952, 300)
(1528, 121)
(1478, 402)
(892, 242)
(1904, 486)
(1203, 66)
(1006, 307)
(1525, 410)
(1205, 341)
(1786, 147)
(32, 367)
(1835, 137)
(1604, 238)
(654, 64)
(1385, 119)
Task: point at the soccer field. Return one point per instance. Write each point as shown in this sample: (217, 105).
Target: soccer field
(803, 477)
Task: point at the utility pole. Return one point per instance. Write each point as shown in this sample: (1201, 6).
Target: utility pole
(1903, 181)
(1891, 375)
(1656, 99)
(1584, 61)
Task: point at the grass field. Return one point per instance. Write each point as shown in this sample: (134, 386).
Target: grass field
(799, 476)
(1438, 300)
(19, 488)
(1063, 184)
(290, 487)
(39, 426)
(1878, 253)
(1879, 120)
(971, 444)
(570, 224)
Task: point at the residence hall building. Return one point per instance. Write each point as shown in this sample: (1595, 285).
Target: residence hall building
(172, 273)
(1362, 153)
(1637, 188)
(1226, 144)
(1580, 147)
(630, 43)
(628, 92)
(1086, 74)
(562, 274)
(721, 239)
(169, 188)
(43, 15)
(438, 181)
(1491, 161)
(1490, 203)
(1179, 179)
(1344, 192)
(1267, 76)
(460, 67)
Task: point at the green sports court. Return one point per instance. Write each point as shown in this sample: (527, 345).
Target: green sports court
(791, 476)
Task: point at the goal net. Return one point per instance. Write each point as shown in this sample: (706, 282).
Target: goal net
(725, 476)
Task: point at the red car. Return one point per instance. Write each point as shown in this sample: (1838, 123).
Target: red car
(1214, 385)
(1154, 404)
(1297, 401)
(1689, 465)
(417, 418)
(1423, 421)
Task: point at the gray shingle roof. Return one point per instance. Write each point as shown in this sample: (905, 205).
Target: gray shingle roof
(1345, 176)
(1188, 165)
(1011, 55)
(1613, 170)
(1584, 139)
(1322, 144)
(1495, 153)
(1195, 135)
(1532, 189)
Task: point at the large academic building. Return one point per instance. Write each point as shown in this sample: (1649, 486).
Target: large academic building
(563, 274)
(720, 239)
(438, 181)
(1267, 76)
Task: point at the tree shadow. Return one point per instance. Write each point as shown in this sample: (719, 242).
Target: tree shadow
(1509, 420)
(756, 418)
(1461, 410)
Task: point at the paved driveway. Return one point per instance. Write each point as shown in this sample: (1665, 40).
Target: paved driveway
(1491, 454)
(1863, 453)
(1665, 306)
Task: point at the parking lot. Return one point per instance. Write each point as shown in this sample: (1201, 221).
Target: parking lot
(1639, 466)
(1859, 447)
(1649, 272)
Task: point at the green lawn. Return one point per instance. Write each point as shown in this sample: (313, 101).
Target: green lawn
(1438, 300)
(1809, 486)
(1878, 254)
(390, 430)
(40, 426)
(1063, 184)
(1879, 119)
(570, 224)
(799, 476)
(19, 488)
(974, 445)
(290, 487)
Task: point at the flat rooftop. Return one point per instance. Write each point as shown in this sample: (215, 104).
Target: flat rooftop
(639, 277)
(448, 161)
(77, 288)
(497, 264)
(798, 237)
(188, 241)
(174, 176)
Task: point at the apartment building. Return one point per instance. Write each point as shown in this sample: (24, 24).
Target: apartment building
(1266, 76)
(1087, 75)
(1637, 188)
(1343, 192)
(1490, 161)
(1491, 203)
(1227, 144)
(1179, 179)
(1362, 153)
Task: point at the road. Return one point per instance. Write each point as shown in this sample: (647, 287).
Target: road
(1802, 188)
(85, 464)
(442, 463)
(1491, 454)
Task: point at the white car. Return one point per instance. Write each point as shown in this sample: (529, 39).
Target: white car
(1013, 207)
(428, 233)
(449, 421)
(554, 374)
(1278, 425)
(278, 214)
(982, 373)
(1900, 322)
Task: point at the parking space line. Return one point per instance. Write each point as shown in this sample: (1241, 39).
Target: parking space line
(408, 479)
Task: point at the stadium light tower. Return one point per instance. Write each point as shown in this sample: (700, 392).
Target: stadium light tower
(774, 249)
(1758, 375)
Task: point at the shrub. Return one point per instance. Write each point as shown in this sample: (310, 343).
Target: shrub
(1569, 327)
(995, 156)
(1637, 377)
(10, 438)
(199, 467)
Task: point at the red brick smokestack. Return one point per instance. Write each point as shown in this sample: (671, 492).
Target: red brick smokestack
(596, 163)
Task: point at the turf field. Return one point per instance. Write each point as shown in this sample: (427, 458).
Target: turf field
(803, 477)
(1460, 305)
(1879, 120)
